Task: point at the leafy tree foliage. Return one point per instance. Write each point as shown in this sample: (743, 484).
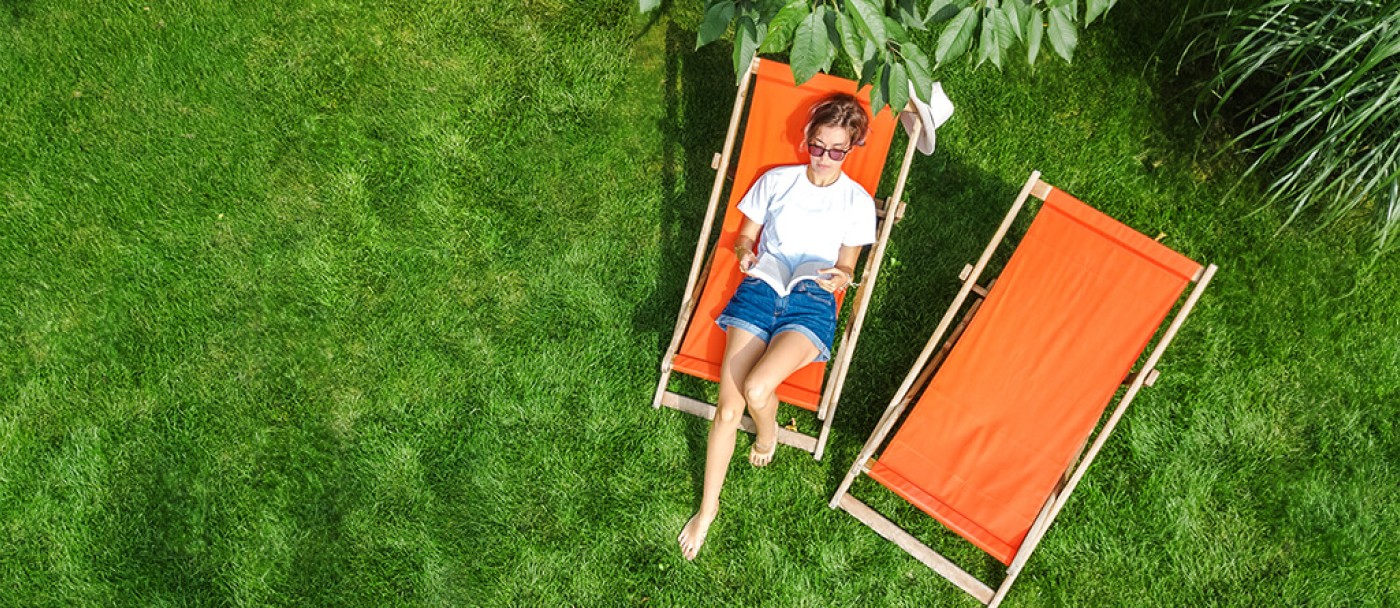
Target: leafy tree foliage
(876, 38)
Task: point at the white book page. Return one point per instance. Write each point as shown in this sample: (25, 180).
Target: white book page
(769, 270)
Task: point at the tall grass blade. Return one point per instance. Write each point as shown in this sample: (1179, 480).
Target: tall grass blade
(1313, 89)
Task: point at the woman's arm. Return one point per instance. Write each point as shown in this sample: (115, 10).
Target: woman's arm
(844, 272)
(743, 244)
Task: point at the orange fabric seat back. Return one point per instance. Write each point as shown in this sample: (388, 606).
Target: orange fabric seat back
(1019, 394)
(773, 136)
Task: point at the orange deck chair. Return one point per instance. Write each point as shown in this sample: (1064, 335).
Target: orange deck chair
(992, 448)
(774, 136)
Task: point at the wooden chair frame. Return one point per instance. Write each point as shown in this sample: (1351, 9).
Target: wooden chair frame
(922, 372)
(890, 209)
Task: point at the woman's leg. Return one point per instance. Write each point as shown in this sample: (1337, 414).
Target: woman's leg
(788, 352)
(742, 349)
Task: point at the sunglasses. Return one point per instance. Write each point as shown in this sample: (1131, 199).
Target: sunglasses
(832, 153)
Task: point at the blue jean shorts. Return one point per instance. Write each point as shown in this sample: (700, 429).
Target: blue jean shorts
(807, 309)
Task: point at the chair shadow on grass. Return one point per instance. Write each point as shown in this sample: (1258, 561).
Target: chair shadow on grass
(694, 127)
(696, 84)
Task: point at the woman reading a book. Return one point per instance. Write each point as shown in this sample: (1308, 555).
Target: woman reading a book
(809, 222)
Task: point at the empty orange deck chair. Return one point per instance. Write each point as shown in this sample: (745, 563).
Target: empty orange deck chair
(1003, 411)
(773, 136)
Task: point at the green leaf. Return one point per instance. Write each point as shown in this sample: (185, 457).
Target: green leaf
(956, 36)
(917, 63)
(717, 19)
(851, 41)
(877, 89)
(834, 40)
(1095, 8)
(870, 50)
(810, 45)
(988, 45)
(941, 10)
(869, 72)
(767, 9)
(908, 11)
(869, 16)
(746, 39)
(896, 87)
(782, 26)
(1003, 33)
(1006, 31)
(897, 33)
(870, 60)
(1035, 31)
(1016, 15)
(646, 6)
(1063, 35)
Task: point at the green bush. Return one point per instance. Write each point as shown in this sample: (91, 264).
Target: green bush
(876, 37)
(1315, 86)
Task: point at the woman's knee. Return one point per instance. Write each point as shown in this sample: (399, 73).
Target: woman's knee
(729, 412)
(758, 392)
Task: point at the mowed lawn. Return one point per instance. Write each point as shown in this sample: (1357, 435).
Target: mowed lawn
(362, 303)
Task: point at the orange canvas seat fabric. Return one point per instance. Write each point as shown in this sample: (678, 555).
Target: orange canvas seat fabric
(1004, 417)
(773, 137)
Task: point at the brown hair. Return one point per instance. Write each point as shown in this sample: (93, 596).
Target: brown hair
(840, 110)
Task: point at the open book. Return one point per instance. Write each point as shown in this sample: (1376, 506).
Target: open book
(776, 275)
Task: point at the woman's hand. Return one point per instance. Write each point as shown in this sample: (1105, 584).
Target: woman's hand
(743, 246)
(746, 259)
(839, 281)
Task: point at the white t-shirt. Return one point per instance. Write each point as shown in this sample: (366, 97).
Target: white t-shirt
(804, 222)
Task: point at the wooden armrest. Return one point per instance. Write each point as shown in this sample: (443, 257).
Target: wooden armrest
(882, 209)
(1150, 380)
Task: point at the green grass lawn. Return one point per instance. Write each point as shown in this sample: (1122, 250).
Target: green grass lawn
(362, 303)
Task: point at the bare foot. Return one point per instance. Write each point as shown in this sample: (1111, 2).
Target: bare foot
(693, 534)
(760, 456)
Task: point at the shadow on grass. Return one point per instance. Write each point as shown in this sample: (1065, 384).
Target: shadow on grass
(693, 126)
(1176, 83)
(19, 10)
(697, 83)
(694, 129)
(158, 539)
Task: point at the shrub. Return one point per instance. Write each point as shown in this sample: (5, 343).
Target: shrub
(876, 36)
(1314, 86)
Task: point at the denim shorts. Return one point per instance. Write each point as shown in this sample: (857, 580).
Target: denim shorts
(807, 309)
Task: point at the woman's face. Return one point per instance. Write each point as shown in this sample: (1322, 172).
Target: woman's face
(828, 138)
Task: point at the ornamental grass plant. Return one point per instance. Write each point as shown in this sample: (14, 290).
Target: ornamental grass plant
(1311, 91)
